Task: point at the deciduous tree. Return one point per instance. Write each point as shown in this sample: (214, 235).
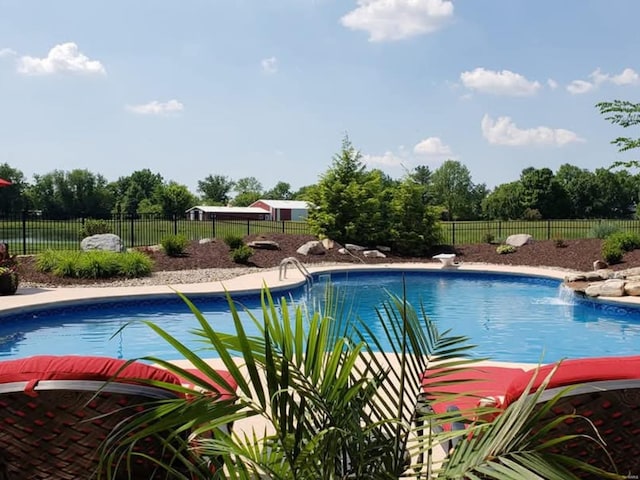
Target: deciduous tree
(452, 188)
(174, 199)
(504, 202)
(133, 189)
(215, 189)
(542, 192)
(12, 200)
(78, 193)
(248, 190)
(626, 114)
(281, 191)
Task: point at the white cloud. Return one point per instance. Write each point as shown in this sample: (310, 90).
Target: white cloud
(269, 65)
(552, 84)
(578, 87)
(388, 159)
(7, 52)
(432, 146)
(504, 132)
(387, 20)
(499, 83)
(627, 77)
(61, 58)
(157, 108)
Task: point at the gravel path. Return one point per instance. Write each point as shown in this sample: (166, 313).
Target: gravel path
(162, 278)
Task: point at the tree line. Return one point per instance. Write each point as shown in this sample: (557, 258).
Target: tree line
(82, 193)
(349, 189)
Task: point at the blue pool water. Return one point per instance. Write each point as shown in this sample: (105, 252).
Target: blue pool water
(509, 318)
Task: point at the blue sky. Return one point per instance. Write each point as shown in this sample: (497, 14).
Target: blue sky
(268, 88)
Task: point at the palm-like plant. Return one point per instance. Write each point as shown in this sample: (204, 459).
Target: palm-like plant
(336, 404)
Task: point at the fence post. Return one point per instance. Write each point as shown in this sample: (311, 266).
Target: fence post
(499, 229)
(213, 225)
(453, 233)
(248, 227)
(282, 226)
(132, 234)
(24, 232)
(175, 224)
(548, 229)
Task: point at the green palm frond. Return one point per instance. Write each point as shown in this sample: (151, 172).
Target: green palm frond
(517, 444)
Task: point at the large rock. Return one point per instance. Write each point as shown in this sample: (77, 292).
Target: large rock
(373, 254)
(313, 247)
(104, 241)
(609, 288)
(264, 245)
(632, 288)
(628, 273)
(353, 247)
(600, 265)
(328, 243)
(518, 239)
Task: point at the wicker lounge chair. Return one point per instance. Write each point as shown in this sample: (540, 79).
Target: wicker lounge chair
(606, 392)
(57, 411)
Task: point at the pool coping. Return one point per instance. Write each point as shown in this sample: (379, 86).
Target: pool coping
(39, 297)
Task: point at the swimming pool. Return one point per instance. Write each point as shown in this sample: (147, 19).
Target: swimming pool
(509, 317)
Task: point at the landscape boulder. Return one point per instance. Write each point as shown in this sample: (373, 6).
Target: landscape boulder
(104, 241)
(613, 287)
(373, 254)
(519, 239)
(314, 247)
(632, 288)
(599, 265)
(264, 245)
(628, 273)
(353, 247)
(328, 243)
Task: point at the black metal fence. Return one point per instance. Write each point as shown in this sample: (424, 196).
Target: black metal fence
(460, 233)
(32, 233)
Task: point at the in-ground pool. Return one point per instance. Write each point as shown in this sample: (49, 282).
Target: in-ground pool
(508, 317)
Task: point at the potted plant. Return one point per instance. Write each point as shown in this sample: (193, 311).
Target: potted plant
(8, 271)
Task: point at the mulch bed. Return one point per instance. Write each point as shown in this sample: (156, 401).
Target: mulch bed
(575, 254)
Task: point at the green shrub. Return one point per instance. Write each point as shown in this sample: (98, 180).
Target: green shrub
(94, 264)
(504, 249)
(559, 242)
(134, 264)
(488, 237)
(47, 260)
(62, 263)
(94, 227)
(603, 230)
(233, 241)
(627, 241)
(611, 253)
(532, 214)
(241, 254)
(174, 245)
